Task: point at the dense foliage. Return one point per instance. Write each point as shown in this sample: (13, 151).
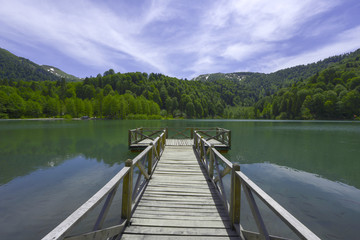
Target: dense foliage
(333, 93)
(328, 89)
(119, 96)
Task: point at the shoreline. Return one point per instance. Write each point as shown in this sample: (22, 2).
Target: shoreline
(37, 119)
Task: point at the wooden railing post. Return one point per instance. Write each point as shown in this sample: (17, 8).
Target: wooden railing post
(158, 147)
(167, 132)
(201, 149)
(164, 139)
(229, 143)
(150, 159)
(195, 141)
(127, 192)
(191, 133)
(129, 138)
(211, 163)
(235, 198)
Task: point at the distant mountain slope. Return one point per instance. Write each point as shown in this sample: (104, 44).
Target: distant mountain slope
(18, 68)
(60, 73)
(333, 93)
(272, 82)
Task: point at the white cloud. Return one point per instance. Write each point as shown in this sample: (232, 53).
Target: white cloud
(172, 37)
(241, 51)
(345, 42)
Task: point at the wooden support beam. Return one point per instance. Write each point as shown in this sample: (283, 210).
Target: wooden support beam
(142, 170)
(105, 233)
(223, 173)
(105, 209)
(235, 198)
(127, 192)
(223, 193)
(256, 213)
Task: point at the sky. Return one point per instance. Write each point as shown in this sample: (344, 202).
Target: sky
(182, 38)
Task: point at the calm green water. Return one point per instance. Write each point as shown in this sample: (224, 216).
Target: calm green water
(49, 168)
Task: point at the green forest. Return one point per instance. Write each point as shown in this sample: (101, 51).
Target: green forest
(328, 89)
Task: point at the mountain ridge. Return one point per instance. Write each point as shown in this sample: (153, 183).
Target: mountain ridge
(19, 68)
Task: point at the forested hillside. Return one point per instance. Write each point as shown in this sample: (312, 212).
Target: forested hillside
(333, 93)
(329, 89)
(114, 95)
(17, 68)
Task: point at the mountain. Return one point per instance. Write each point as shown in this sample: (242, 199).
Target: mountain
(272, 82)
(18, 68)
(333, 93)
(328, 89)
(59, 73)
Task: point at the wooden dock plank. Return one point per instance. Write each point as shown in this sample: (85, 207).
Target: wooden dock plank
(178, 223)
(170, 237)
(178, 202)
(180, 231)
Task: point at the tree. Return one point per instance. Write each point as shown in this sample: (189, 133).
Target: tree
(70, 107)
(88, 108)
(51, 107)
(15, 106)
(198, 109)
(88, 91)
(4, 100)
(190, 110)
(109, 72)
(111, 106)
(107, 89)
(33, 109)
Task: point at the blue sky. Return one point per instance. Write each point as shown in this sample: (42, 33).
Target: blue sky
(178, 38)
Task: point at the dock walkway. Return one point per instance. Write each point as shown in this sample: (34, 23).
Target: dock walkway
(179, 203)
(174, 189)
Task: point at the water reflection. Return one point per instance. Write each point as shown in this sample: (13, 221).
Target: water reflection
(325, 206)
(49, 168)
(42, 199)
(28, 147)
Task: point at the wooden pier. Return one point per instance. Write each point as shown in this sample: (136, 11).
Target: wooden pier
(179, 202)
(179, 193)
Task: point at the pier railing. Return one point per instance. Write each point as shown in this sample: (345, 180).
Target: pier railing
(221, 135)
(213, 161)
(145, 163)
(139, 134)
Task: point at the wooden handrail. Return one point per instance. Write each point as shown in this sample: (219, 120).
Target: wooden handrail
(129, 198)
(75, 217)
(300, 229)
(240, 180)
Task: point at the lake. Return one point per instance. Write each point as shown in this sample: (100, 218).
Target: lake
(49, 168)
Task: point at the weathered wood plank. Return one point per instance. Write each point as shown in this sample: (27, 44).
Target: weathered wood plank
(177, 223)
(178, 189)
(181, 213)
(172, 202)
(181, 209)
(182, 206)
(181, 231)
(177, 198)
(180, 218)
(162, 237)
(175, 185)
